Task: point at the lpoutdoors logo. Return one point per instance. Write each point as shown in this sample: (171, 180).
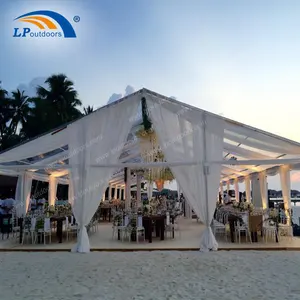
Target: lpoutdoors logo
(50, 24)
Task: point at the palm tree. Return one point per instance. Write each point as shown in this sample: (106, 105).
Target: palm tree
(43, 118)
(5, 116)
(3, 93)
(53, 106)
(21, 110)
(8, 137)
(62, 96)
(88, 110)
(4, 108)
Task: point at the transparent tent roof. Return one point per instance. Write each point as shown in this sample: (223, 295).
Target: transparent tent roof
(241, 142)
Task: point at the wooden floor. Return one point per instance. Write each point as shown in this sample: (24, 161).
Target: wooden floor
(187, 240)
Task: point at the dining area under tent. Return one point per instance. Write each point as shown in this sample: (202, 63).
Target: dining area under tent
(153, 140)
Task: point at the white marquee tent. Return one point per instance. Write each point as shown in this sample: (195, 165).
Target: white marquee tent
(91, 153)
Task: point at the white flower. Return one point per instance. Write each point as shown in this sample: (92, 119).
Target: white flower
(235, 204)
(273, 213)
(51, 208)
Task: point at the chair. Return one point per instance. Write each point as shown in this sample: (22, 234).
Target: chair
(124, 227)
(269, 231)
(46, 231)
(220, 228)
(176, 225)
(285, 230)
(70, 228)
(95, 224)
(29, 229)
(169, 226)
(243, 227)
(139, 228)
(15, 228)
(115, 227)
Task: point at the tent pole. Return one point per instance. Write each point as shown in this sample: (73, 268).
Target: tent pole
(23, 202)
(205, 168)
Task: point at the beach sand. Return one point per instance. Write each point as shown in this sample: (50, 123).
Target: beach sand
(150, 275)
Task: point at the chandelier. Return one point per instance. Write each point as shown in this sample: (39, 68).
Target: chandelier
(151, 152)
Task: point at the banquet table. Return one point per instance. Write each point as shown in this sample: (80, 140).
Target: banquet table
(59, 225)
(105, 212)
(232, 219)
(159, 221)
(255, 225)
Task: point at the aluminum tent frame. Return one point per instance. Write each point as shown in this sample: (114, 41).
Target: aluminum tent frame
(246, 150)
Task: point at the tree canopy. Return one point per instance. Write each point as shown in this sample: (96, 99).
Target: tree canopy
(23, 117)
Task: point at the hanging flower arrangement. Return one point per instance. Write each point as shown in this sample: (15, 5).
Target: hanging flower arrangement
(164, 174)
(159, 184)
(151, 151)
(142, 133)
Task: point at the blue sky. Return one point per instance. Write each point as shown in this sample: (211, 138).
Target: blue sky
(238, 58)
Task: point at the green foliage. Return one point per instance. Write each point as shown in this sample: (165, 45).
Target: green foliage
(88, 110)
(146, 120)
(22, 117)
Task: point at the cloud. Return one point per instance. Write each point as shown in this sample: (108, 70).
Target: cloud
(115, 97)
(129, 90)
(295, 176)
(30, 88)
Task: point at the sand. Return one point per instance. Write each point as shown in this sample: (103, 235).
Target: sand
(150, 275)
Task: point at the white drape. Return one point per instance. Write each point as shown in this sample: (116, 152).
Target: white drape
(6, 172)
(64, 181)
(227, 187)
(110, 192)
(178, 190)
(39, 177)
(184, 141)
(239, 134)
(272, 171)
(214, 136)
(236, 190)
(285, 181)
(52, 191)
(263, 188)
(149, 189)
(97, 138)
(248, 188)
(71, 193)
(27, 189)
(19, 198)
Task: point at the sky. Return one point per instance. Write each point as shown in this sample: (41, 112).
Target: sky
(237, 58)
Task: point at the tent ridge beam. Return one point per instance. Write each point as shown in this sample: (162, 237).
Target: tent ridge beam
(164, 164)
